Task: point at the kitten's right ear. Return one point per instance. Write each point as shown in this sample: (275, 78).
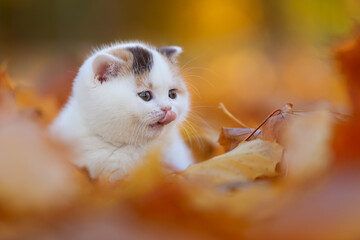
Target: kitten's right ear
(171, 52)
(110, 65)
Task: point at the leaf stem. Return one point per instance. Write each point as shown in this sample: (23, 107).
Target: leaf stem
(224, 109)
(261, 124)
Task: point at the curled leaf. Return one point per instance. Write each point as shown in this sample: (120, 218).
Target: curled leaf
(231, 137)
(274, 125)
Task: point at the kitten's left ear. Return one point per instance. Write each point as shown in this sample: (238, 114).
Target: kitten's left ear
(171, 52)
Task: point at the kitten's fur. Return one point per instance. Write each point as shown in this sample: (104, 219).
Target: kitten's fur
(110, 124)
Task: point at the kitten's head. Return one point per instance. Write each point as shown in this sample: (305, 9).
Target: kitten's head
(131, 93)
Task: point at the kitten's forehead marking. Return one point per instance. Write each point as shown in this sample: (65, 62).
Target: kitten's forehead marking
(142, 60)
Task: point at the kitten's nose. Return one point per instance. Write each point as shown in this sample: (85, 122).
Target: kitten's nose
(166, 108)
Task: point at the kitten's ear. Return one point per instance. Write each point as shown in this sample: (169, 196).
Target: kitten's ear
(171, 52)
(106, 66)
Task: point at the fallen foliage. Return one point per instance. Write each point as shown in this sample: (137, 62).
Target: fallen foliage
(275, 181)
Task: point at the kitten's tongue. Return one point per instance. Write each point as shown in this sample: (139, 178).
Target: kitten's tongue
(168, 118)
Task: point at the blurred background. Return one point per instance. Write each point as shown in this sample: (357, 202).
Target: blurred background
(252, 55)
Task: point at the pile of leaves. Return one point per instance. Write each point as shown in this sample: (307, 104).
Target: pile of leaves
(295, 176)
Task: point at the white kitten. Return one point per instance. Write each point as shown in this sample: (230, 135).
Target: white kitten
(126, 98)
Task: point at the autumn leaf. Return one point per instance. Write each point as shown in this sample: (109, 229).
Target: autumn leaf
(347, 134)
(276, 123)
(248, 161)
(43, 109)
(231, 137)
(271, 130)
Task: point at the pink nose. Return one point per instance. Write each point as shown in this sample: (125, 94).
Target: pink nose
(166, 108)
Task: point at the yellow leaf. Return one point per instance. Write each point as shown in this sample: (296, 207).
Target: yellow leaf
(247, 162)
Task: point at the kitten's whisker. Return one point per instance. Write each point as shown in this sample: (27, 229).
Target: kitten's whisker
(202, 68)
(202, 78)
(188, 72)
(192, 59)
(139, 130)
(134, 135)
(196, 130)
(195, 90)
(198, 118)
(196, 135)
(202, 107)
(188, 135)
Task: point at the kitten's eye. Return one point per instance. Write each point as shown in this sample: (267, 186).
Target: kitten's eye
(172, 93)
(145, 95)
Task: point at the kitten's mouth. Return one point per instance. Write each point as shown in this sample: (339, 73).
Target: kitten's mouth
(166, 119)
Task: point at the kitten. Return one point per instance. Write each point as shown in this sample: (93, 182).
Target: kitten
(126, 98)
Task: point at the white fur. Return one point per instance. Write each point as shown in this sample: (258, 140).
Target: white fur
(108, 123)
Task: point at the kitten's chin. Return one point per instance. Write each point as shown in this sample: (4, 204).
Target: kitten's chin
(156, 127)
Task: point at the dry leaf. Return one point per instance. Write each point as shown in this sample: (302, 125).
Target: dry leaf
(274, 126)
(231, 137)
(271, 130)
(248, 161)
